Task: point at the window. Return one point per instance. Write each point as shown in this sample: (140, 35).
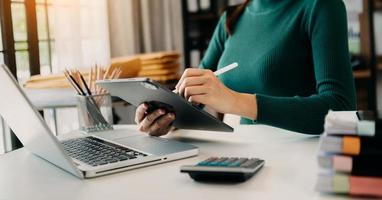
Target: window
(46, 36)
(2, 146)
(85, 39)
(2, 143)
(20, 35)
(354, 9)
(44, 12)
(1, 48)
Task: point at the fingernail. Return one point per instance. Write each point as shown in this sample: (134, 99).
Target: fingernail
(161, 111)
(171, 116)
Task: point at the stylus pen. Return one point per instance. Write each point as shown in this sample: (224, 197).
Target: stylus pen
(226, 69)
(221, 71)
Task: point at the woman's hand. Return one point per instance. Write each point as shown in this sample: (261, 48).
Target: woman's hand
(156, 123)
(202, 86)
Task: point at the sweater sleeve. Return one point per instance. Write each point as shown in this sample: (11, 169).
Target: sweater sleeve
(215, 47)
(327, 30)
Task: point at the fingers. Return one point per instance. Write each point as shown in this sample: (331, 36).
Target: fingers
(150, 119)
(194, 90)
(140, 113)
(190, 72)
(162, 125)
(191, 81)
(201, 98)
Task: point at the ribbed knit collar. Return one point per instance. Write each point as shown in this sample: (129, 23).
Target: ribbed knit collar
(265, 6)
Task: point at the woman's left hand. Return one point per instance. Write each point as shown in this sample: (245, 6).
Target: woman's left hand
(202, 86)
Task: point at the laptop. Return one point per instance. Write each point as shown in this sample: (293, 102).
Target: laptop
(85, 155)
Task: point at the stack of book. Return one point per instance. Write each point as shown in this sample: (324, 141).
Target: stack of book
(350, 154)
(160, 66)
(163, 67)
(129, 68)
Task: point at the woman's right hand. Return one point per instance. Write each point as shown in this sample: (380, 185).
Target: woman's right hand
(156, 123)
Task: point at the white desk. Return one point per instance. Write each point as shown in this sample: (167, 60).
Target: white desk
(290, 172)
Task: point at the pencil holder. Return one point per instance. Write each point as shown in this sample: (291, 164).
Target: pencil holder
(95, 112)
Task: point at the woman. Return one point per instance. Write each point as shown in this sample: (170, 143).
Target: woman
(293, 67)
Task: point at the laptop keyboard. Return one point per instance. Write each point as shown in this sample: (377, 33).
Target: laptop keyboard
(95, 152)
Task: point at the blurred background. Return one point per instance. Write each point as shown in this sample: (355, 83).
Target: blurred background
(41, 38)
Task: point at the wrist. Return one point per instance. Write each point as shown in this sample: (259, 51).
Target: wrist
(244, 105)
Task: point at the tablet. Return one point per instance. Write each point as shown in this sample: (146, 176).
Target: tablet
(143, 90)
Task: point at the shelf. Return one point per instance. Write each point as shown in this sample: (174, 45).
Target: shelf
(379, 66)
(379, 63)
(377, 4)
(362, 74)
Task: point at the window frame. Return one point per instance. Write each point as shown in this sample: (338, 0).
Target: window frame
(7, 35)
(9, 52)
(49, 38)
(32, 37)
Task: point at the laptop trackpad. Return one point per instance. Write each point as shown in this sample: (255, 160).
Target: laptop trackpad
(117, 133)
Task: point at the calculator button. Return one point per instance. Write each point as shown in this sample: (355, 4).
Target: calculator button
(206, 162)
(224, 162)
(238, 162)
(217, 162)
(250, 163)
(228, 161)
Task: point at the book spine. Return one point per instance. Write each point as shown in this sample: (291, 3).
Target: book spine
(351, 145)
(353, 185)
(371, 146)
(362, 146)
(370, 128)
(367, 186)
(354, 165)
(369, 124)
(366, 166)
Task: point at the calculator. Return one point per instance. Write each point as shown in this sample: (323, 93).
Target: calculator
(224, 169)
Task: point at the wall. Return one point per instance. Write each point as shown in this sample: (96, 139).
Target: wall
(124, 33)
(378, 41)
(140, 26)
(2, 142)
(378, 32)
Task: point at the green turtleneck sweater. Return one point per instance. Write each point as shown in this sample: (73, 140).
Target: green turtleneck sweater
(293, 54)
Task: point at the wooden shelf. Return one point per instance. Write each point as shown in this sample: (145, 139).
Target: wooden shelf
(379, 66)
(379, 63)
(198, 27)
(362, 74)
(377, 4)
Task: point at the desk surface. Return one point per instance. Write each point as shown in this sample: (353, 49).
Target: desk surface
(290, 171)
